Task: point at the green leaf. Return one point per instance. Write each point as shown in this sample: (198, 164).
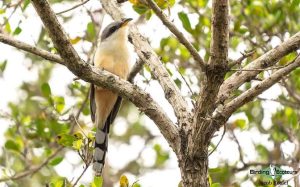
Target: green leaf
(7, 26)
(161, 155)
(124, 181)
(58, 183)
(216, 185)
(65, 140)
(178, 83)
(25, 4)
(46, 90)
(215, 170)
(91, 31)
(17, 31)
(263, 151)
(2, 11)
(56, 161)
(295, 4)
(11, 145)
(163, 4)
(149, 14)
(97, 182)
(185, 21)
(240, 123)
(136, 185)
(3, 66)
(77, 144)
(59, 103)
(140, 9)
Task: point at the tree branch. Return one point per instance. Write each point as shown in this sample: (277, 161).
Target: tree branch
(240, 60)
(259, 88)
(103, 78)
(148, 55)
(32, 170)
(135, 70)
(220, 32)
(182, 39)
(213, 78)
(290, 89)
(72, 8)
(217, 65)
(267, 60)
(31, 49)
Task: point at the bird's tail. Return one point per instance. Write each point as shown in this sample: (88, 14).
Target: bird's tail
(101, 140)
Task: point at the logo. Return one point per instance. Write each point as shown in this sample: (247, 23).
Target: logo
(272, 175)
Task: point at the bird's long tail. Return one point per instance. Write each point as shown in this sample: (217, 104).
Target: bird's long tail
(101, 140)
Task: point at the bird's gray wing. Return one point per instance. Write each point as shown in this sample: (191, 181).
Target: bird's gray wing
(92, 102)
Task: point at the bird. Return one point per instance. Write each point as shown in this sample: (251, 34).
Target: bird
(112, 54)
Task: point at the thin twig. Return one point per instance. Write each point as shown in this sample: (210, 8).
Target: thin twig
(239, 147)
(242, 58)
(263, 69)
(32, 170)
(294, 176)
(84, 170)
(247, 165)
(182, 39)
(224, 131)
(185, 81)
(12, 13)
(81, 129)
(72, 8)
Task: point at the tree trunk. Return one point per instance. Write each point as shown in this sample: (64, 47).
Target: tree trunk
(194, 172)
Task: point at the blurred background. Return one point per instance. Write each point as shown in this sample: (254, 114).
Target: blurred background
(45, 125)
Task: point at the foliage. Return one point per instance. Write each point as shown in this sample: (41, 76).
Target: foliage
(40, 121)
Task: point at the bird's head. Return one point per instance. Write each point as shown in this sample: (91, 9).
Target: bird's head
(116, 30)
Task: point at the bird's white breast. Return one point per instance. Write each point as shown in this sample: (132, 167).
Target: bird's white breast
(113, 55)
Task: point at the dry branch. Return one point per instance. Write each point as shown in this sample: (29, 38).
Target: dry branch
(31, 49)
(72, 8)
(33, 170)
(267, 60)
(148, 55)
(217, 65)
(103, 78)
(259, 88)
(181, 38)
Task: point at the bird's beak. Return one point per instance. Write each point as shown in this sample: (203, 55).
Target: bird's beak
(125, 21)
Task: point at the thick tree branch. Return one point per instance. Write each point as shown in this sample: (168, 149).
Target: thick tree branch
(214, 75)
(53, 57)
(268, 59)
(259, 88)
(103, 78)
(31, 49)
(182, 39)
(148, 55)
(217, 65)
(220, 32)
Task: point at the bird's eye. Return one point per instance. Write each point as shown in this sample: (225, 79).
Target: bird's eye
(113, 29)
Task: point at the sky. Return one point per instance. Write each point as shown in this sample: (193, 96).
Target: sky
(118, 155)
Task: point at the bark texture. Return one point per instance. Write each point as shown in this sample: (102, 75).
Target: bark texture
(191, 136)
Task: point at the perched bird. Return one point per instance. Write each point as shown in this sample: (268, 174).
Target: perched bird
(112, 55)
